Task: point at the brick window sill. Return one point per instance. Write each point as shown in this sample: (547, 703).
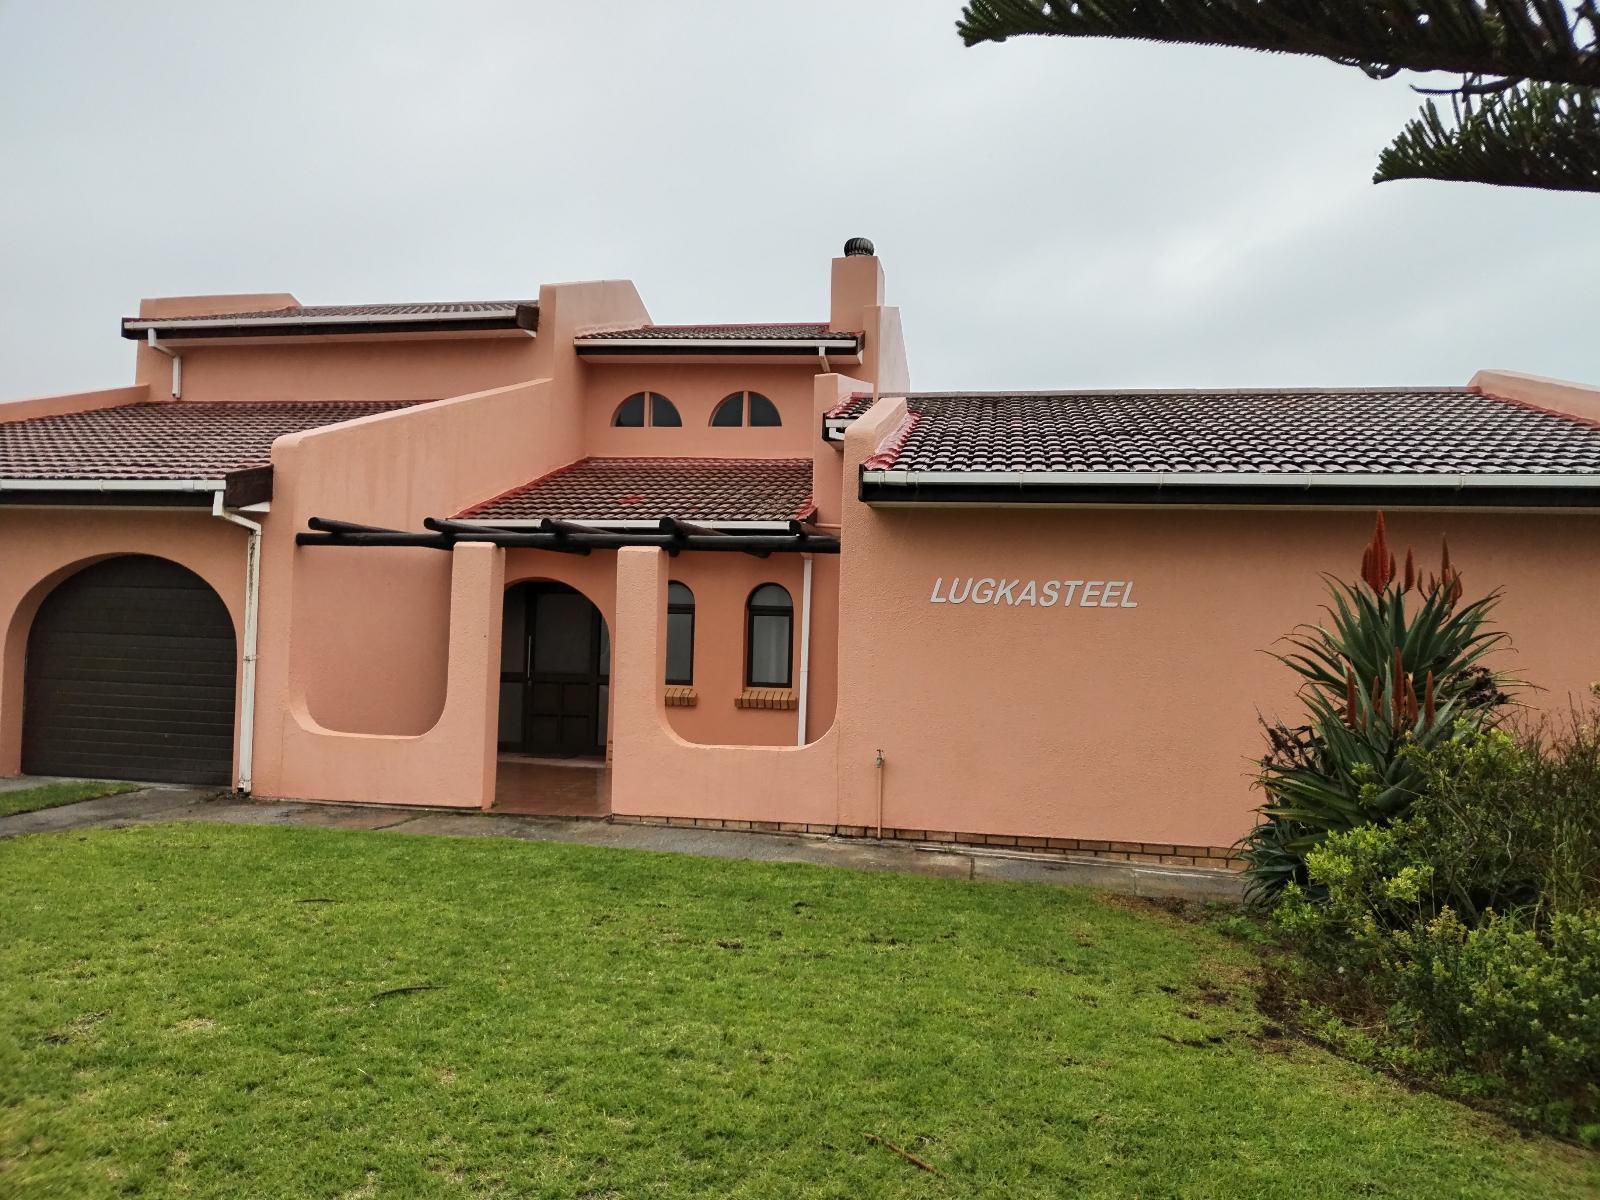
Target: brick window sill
(767, 698)
(681, 696)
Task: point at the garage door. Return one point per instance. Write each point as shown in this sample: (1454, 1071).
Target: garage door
(130, 675)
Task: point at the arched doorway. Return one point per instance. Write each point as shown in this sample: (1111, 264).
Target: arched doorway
(555, 672)
(130, 675)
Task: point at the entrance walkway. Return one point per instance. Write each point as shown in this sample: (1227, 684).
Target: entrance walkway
(158, 805)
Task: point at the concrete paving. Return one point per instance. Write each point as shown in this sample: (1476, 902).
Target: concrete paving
(158, 805)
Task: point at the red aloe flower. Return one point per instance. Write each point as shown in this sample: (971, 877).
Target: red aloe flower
(1411, 571)
(1350, 697)
(1427, 698)
(1377, 565)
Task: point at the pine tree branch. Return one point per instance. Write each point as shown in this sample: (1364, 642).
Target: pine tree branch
(1540, 135)
(1532, 39)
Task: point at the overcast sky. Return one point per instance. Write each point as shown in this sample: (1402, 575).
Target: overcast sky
(1049, 213)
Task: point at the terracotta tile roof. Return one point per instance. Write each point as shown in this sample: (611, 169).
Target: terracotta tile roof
(443, 310)
(805, 331)
(1442, 431)
(851, 406)
(647, 489)
(177, 440)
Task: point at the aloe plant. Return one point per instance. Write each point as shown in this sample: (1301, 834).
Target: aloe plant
(1398, 663)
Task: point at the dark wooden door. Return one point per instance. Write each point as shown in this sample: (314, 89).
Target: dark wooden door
(130, 675)
(555, 672)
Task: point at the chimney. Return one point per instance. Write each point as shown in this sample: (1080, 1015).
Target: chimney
(857, 286)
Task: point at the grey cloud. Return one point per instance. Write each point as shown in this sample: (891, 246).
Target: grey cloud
(1050, 214)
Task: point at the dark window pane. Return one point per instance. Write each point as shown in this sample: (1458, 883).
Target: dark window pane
(605, 647)
(630, 414)
(513, 633)
(770, 595)
(769, 649)
(679, 595)
(680, 647)
(511, 714)
(663, 412)
(763, 411)
(563, 624)
(602, 714)
(730, 412)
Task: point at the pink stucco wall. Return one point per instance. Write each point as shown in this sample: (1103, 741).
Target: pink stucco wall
(696, 389)
(655, 772)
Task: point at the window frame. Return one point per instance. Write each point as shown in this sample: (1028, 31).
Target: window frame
(744, 422)
(751, 611)
(680, 608)
(648, 399)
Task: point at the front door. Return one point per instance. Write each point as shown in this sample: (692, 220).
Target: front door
(555, 665)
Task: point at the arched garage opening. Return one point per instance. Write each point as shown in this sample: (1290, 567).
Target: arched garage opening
(130, 675)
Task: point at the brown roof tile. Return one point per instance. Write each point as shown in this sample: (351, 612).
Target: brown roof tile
(177, 440)
(647, 489)
(1410, 432)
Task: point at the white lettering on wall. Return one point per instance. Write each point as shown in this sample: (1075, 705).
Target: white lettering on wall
(1035, 593)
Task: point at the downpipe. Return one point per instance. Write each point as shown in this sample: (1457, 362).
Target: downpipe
(805, 648)
(177, 363)
(252, 621)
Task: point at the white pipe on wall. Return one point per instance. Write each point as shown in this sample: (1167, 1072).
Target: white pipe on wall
(177, 363)
(805, 647)
(252, 621)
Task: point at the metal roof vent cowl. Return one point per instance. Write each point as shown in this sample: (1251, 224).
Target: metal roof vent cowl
(858, 247)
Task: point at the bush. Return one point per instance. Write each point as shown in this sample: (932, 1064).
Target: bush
(1383, 676)
(1472, 924)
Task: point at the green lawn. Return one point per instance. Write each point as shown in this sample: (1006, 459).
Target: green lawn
(208, 1011)
(53, 795)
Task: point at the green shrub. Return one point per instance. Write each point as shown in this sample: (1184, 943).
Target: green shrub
(1381, 677)
(1471, 927)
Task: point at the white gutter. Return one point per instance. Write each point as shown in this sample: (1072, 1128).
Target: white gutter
(252, 622)
(821, 346)
(177, 362)
(112, 485)
(1224, 479)
(176, 327)
(805, 648)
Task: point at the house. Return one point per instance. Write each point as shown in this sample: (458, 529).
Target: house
(545, 555)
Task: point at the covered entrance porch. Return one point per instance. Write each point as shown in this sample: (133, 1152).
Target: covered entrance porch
(554, 703)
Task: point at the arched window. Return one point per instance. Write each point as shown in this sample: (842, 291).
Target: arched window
(769, 637)
(746, 408)
(646, 409)
(680, 634)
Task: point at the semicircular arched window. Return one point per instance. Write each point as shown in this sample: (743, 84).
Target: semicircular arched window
(646, 410)
(745, 408)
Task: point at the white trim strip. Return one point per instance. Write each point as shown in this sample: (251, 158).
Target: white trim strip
(112, 485)
(1223, 479)
(178, 325)
(809, 345)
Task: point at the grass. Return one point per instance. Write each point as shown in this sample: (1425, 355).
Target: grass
(53, 795)
(212, 1011)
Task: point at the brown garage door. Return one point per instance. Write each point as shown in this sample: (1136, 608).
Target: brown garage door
(130, 675)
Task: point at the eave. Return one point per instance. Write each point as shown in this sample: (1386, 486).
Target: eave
(890, 488)
(845, 348)
(520, 320)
